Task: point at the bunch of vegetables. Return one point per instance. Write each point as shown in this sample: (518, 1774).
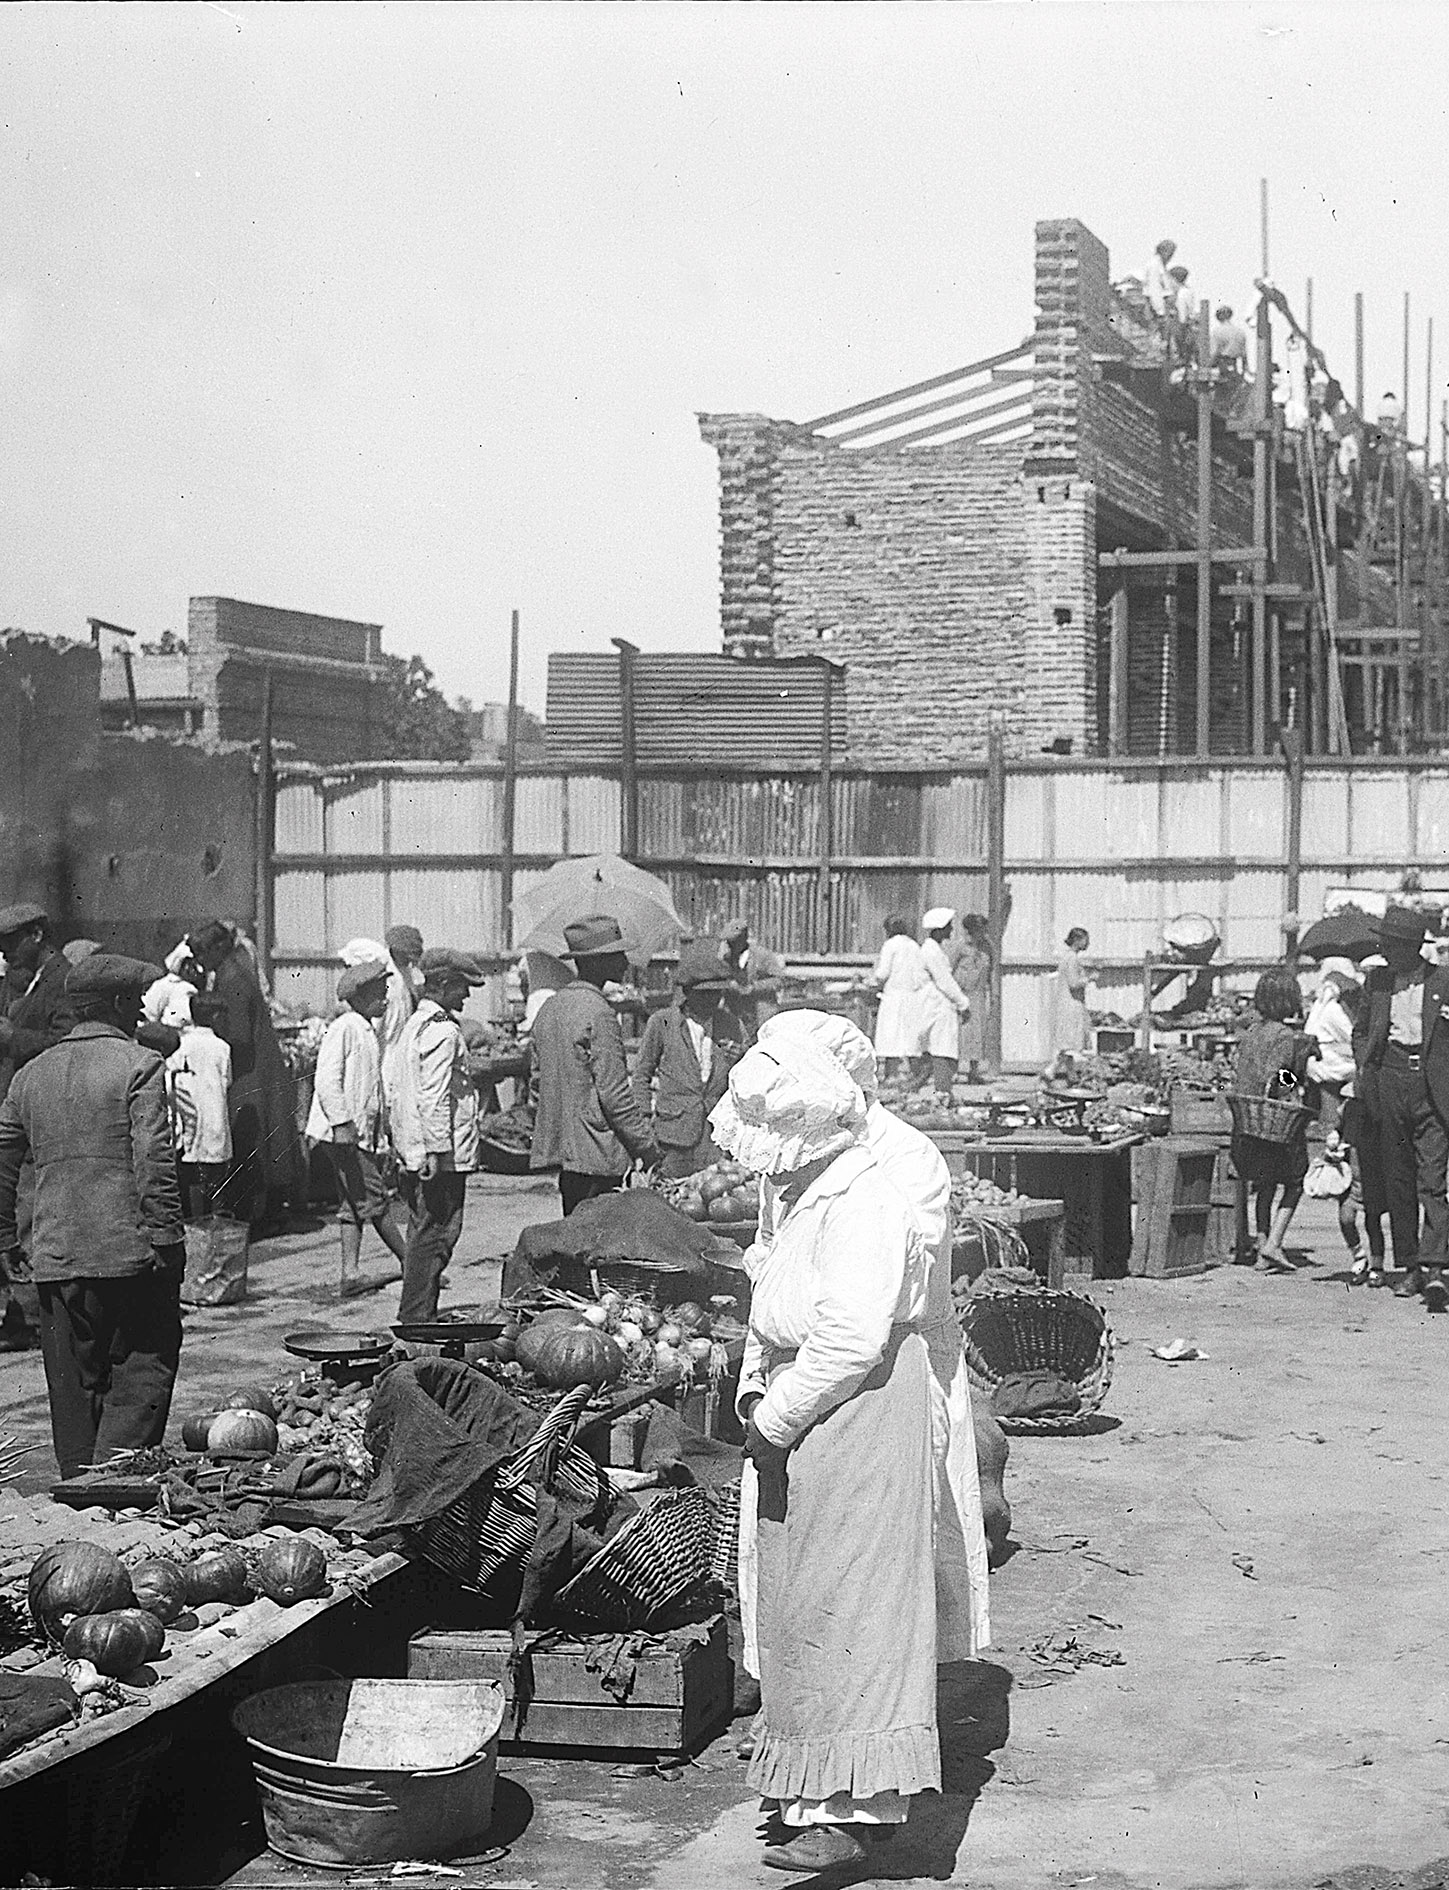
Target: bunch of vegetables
(305, 1413)
(975, 1195)
(725, 1193)
(598, 1342)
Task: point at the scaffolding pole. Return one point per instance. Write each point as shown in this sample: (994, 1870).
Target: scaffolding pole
(1204, 378)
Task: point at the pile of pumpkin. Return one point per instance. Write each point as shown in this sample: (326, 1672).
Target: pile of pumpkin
(725, 1192)
(95, 1610)
(304, 1414)
(598, 1342)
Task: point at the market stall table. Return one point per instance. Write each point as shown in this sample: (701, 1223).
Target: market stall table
(1093, 1179)
(1045, 1219)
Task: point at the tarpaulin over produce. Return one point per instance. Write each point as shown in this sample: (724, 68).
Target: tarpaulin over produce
(634, 1227)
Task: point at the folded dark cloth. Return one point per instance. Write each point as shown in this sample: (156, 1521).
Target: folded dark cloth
(1035, 1394)
(32, 1704)
(632, 1226)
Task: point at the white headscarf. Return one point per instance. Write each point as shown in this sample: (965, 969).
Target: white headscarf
(178, 956)
(836, 1036)
(788, 1105)
(364, 951)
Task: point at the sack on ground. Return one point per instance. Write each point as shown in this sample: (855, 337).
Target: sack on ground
(216, 1261)
(1035, 1394)
(1328, 1179)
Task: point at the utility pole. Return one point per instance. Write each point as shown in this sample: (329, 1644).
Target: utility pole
(510, 782)
(1204, 379)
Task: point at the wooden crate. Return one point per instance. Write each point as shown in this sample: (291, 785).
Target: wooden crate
(680, 1698)
(1179, 1230)
(1195, 1112)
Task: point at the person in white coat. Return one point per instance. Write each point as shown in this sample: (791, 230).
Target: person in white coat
(947, 1003)
(903, 1021)
(917, 1169)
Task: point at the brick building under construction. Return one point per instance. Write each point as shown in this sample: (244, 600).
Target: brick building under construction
(1047, 534)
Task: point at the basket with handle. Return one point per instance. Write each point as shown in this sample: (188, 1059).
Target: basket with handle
(1268, 1118)
(1039, 1329)
(655, 1570)
(491, 1526)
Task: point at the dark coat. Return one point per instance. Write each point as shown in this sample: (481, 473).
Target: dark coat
(587, 1121)
(682, 1100)
(92, 1111)
(1371, 1036)
(37, 1018)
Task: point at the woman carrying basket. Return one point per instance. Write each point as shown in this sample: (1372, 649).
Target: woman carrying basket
(836, 1393)
(1270, 1065)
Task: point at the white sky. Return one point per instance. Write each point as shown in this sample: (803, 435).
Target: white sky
(404, 312)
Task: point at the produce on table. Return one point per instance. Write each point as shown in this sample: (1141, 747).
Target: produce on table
(115, 1643)
(976, 1195)
(219, 1576)
(241, 1433)
(725, 1194)
(643, 1341)
(315, 1414)
(160, 1587)
(290, 1570)
(566, 1356)
(75, 1578)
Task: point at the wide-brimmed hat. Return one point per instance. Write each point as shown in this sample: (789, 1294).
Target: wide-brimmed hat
(598, 937)
(836, 1036)
(702, 967)
(787, 1105)
(1401, 925)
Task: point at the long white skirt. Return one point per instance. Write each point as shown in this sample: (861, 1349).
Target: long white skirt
(901, 1024)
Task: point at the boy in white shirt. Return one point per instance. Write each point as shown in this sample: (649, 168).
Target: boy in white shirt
(347, 1114)
(198, 1076)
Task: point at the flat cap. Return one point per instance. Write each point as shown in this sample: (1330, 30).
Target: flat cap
(702, 968)
(20, 918)
(442, 962)
(406, 939)
(938, 918)
(364, 977)
(108, 974)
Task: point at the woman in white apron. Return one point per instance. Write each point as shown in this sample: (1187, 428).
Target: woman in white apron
(903, 1019)
(947, 1002)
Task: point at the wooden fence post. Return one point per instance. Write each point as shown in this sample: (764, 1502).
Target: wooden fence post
(827, 812)
(628, 752)
(995, 876)
(510, 785)
(265, 832)
(1292, 739)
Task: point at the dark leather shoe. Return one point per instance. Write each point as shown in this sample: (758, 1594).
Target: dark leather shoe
(1408, 1285)
(1436, 1292)
(818, 1847)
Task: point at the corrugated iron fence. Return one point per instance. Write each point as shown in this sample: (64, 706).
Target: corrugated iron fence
(1116, 848)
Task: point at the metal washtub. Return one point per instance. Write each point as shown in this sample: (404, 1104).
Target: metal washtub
(373, 1771)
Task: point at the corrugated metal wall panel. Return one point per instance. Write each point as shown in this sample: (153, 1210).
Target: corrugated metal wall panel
(355, 908)
(1257, 815)
(300, 908)
(953, 817)
(308, 989)
(446, 815)
(1192, 812)
(352, 815)
(1379, 812)
(661, 819)
(299, 817)
(537, 814)
(1325, 814)
(460, 909)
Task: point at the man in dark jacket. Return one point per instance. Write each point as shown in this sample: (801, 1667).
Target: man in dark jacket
(34, 1012)
(587, 1124)
(685, 1059)
(1401, 1050)
(108, 1246)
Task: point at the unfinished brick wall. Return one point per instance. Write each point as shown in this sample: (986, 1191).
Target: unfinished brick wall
(324, 671)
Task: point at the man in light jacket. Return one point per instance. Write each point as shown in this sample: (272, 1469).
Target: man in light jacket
(347, 1114)
(433, 1109)
(108, 1246)
(588, 1123)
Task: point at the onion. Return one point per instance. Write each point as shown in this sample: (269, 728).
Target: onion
(699, 1350)
(648, 1319)
(595, 1316)
(665, 1355)
(611, 1301)
(670, 1333)
(630, 1332)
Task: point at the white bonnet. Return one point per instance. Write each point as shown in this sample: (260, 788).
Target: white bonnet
(836, 1036)
(789, 1103)
(363, 951)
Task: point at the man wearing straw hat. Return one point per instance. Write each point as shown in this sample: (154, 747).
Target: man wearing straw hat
(588, 1124)
(1401, 1047)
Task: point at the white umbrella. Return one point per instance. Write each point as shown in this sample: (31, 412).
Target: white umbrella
(598, 885)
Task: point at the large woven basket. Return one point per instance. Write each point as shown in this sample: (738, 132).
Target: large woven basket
(654, 1571)
(491, 1526)
(1041, 1329)
(1266, 1119)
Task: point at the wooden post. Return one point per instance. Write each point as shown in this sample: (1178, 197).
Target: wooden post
(265, 835)
(1262, 424)
(1358, 351)
(628, 752)
(995, 875)
(1292, 739)
(1204, 531)
(1401, 553)
(1145, 1028)
(1333, 676)
(1117, 723)
(827, 792)
(510, 784)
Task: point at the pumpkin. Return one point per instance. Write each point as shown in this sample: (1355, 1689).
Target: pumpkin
(75, 1578)
(160, 1587)
(722, 1208)
(252, 1398)
(220, 1576)
(193, 1431)
(557, 1319)
(291, 1570)
(241, 1433)
(579, 1356)
(689, 1314)
(116, 1642)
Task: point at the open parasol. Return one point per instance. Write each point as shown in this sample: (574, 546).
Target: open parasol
(1347, 933)
(597, 885)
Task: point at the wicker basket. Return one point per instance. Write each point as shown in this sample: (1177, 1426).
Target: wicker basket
(724, 1560)
(1041, 1329)
(654, 1571)
(1266, 1119)
(491, 1526)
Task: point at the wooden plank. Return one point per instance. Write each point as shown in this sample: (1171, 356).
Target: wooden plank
(988, 362)
(1155, 560)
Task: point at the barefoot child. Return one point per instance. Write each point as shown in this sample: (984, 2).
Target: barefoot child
(1271, 1061)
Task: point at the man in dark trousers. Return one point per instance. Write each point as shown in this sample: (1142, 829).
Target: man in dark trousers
(685, 1059)
(1401, 1049)
(588, 1124)
(108, 1246)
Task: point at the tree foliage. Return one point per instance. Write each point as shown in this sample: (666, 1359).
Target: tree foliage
(415, 721)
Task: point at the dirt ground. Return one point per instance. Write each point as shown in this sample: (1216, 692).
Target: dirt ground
(1219, 1643)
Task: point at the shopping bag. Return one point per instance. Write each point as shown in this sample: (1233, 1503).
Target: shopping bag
(216, 1261)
